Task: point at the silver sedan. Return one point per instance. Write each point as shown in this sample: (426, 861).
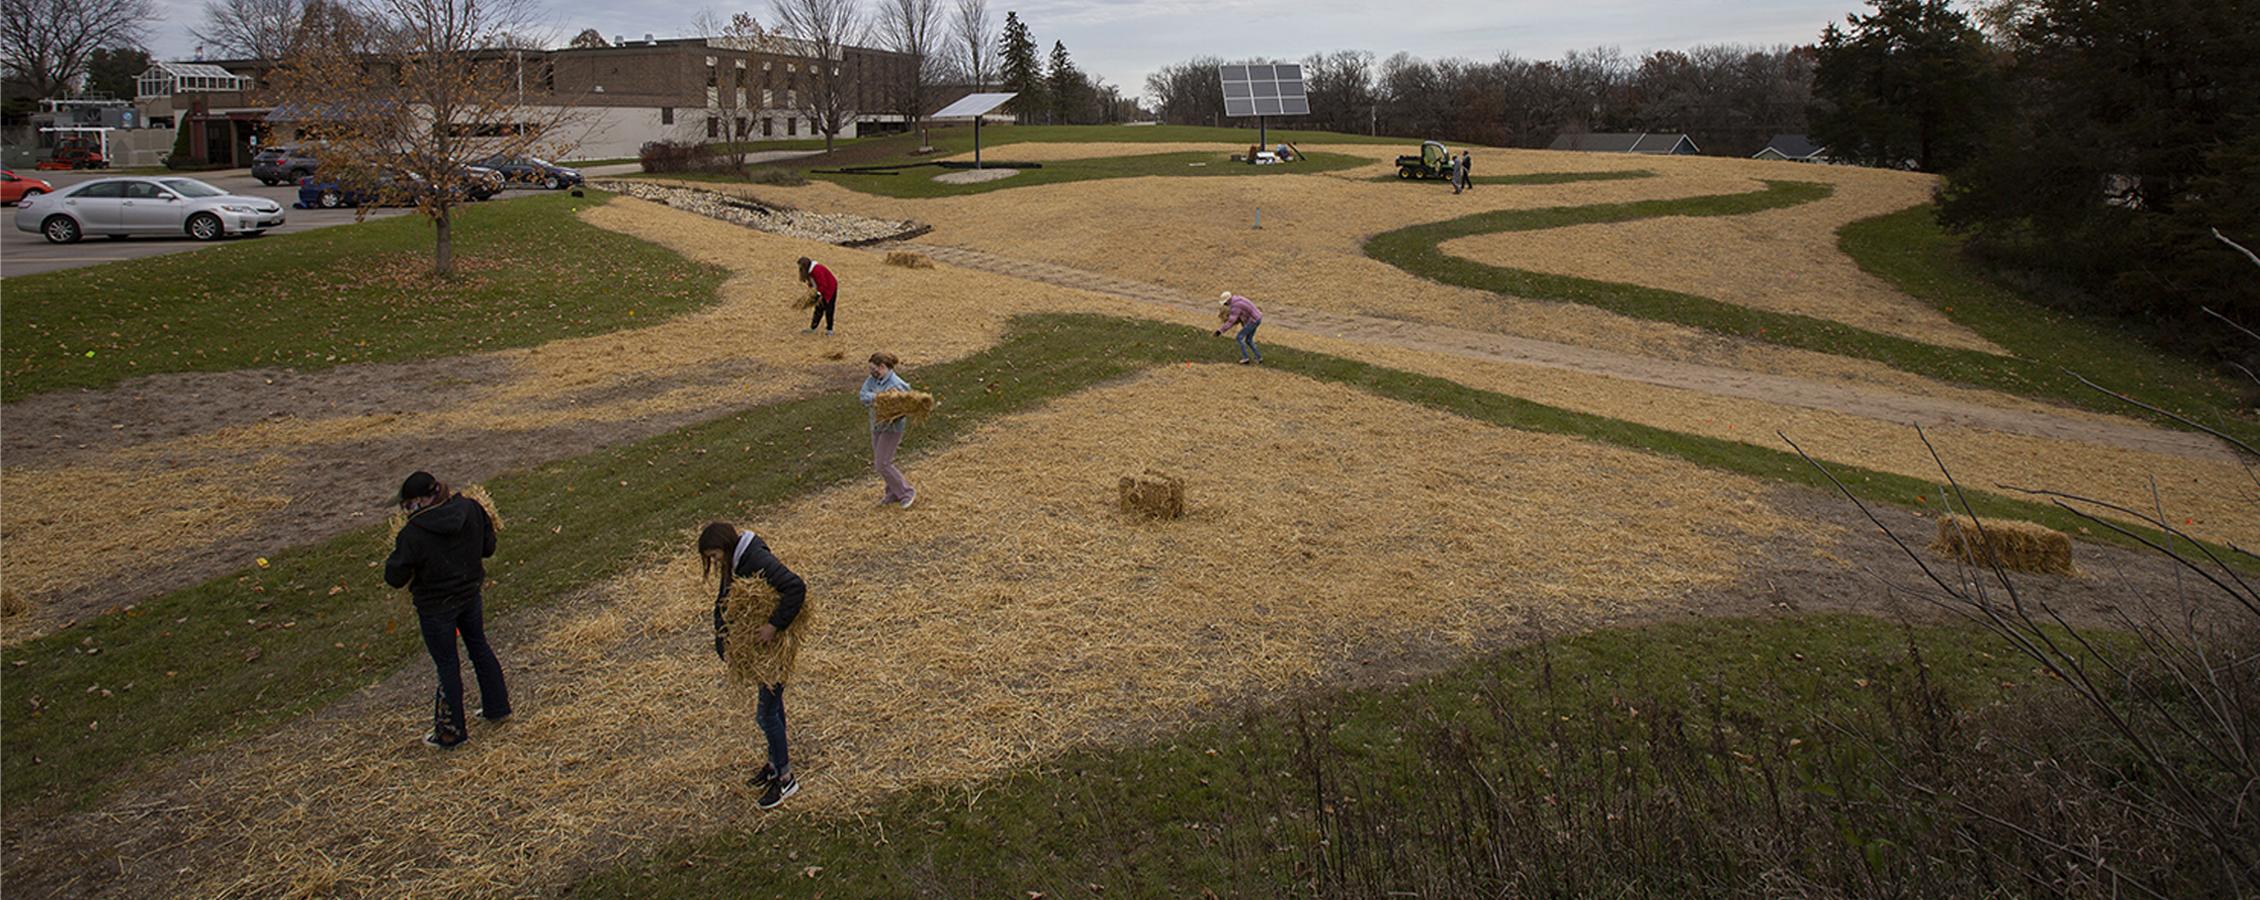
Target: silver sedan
(120, 207)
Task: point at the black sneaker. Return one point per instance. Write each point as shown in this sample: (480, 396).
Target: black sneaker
(778, 791)
(763, 778)
(481, 712)
(443, 741)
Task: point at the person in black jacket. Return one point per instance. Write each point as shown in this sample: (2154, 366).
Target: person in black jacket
(742, 554)
(438, 556)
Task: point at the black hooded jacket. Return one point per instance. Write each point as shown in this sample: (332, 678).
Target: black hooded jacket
(792, 592)
(437, 556)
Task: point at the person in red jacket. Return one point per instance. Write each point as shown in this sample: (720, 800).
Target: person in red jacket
(827, 287)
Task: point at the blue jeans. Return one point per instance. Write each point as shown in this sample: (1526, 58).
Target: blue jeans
(771, 714)
(1247, 342)
(440, 629)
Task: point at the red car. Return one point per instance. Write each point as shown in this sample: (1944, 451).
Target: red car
(75, 158)
(14, 187)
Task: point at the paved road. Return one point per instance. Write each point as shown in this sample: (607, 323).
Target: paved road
(25, 253)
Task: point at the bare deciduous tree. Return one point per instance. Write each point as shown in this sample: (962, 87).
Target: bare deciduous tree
(404, 94)
(47, 42)
(252, 29)
(589, 39)
(821, 31)
(973, 32)
(914, 27)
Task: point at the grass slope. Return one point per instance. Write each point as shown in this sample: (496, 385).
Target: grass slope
(234, 656)
(1910, 250)
(2042, 344)
(1272, 805)
(529, 272)
(1535, 177)
(920, 182)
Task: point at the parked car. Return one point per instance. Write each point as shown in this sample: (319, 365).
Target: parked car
(482, 183)
(396, 188)
(532, 170)
(73, 157)
(284, 165)
(121, 207)
(14, 188)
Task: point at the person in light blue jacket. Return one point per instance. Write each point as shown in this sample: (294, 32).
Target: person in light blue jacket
(886, 437)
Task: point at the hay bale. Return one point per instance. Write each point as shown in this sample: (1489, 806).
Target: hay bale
(12, 603)
(2021, 546)
(1152, 495)
(749, 606)
(894, 405)
(909, 260)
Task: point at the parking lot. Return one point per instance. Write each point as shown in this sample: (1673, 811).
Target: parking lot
(27, 253)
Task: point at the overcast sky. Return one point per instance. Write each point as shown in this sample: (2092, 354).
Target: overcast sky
(1122, 40)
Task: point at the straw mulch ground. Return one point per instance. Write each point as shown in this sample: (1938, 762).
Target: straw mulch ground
(1014, 614)
(1198, 236)
(1052, 151)
(331, 455)
(1783, 260)
(2211, 497)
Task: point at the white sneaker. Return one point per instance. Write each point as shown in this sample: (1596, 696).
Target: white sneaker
(907, 501)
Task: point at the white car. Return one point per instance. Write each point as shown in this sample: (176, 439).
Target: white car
(120, 207)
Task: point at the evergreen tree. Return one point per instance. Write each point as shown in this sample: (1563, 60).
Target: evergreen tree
(112, 71)
(1911, 82)
(1019, 69)
(1067, 86)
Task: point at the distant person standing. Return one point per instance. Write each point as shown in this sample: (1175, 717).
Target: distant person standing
(1467, 170)
(1458, 171)
(439, 557)
(886, 437)
(827, 288)
(1237, 310)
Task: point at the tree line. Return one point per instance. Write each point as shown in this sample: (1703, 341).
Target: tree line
(2090, 148)
(1730, 98)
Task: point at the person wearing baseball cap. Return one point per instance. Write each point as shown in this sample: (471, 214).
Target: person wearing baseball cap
(439, 556)
(1237, 310)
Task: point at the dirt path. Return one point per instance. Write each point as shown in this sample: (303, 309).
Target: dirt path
(1858, 400)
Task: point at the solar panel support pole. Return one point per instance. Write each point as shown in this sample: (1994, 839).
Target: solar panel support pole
(977, 142)
(1263, 133)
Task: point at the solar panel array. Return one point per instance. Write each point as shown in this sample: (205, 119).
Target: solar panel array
(1264, 90)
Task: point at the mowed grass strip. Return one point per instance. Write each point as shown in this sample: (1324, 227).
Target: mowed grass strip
(1244, 808)
(528, 271)
(920, 183)
(2034, 372)
(1534, 177)
(230, 658)
(1909, 250)
(234, 656)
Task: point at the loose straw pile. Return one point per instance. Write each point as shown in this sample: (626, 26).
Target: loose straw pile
(808, 300)
(909, 260)
(752, 601)
(476, 492)
(894, 405)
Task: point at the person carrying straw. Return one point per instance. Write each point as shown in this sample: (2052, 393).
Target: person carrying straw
(1237, 310)
(762, 655)
(826, 288)
(438, 555)
(886, 434)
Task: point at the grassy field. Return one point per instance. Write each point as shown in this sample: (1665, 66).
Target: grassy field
(235, 655)
(1537, 177)
(528, 272)
(1925, 267)
(1910, 250)
(1677, 760)
(919, 182)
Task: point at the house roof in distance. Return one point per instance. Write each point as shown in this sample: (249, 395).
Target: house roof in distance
(1794, 146)
(1649, 142)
